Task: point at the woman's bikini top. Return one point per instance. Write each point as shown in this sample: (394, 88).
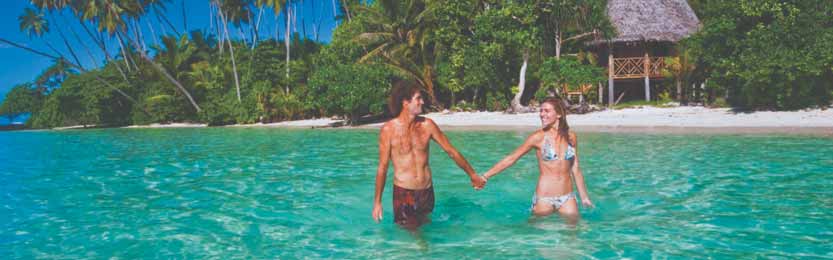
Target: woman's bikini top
(548, 152)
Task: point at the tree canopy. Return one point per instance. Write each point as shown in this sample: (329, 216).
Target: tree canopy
(472, 54)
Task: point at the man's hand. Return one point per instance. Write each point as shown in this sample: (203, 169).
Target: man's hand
(377, 212)
(587, 203)
(477, 182)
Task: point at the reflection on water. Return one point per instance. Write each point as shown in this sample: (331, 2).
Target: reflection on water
(277, 193)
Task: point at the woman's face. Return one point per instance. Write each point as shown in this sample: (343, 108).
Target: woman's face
(548, 114)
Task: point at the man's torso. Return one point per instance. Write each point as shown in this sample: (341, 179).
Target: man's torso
(409, 153)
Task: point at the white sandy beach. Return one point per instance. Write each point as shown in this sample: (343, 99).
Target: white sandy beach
(172, 125)
(682, 119)
(676, 119)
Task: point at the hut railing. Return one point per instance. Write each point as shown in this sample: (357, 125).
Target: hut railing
(635, 67)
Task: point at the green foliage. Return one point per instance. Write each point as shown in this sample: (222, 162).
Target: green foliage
(81, 100)
(767, 54)
(496, 101)
(21, 99)
(351, 89)
(459, 51)
(566, 74)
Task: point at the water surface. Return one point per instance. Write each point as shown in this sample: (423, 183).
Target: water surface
(280, 193)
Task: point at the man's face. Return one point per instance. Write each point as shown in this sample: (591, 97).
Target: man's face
(414, 105)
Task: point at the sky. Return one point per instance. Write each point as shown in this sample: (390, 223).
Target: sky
(18, 66)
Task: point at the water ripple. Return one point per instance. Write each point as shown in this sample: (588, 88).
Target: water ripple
(277, 193)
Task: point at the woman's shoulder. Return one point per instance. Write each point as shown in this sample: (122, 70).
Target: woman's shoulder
(535, 136)
(572, 137)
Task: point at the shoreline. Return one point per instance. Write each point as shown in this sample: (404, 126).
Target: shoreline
(675, 120)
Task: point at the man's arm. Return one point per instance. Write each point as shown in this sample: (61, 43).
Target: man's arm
(381, 171)
(513, 157)
(476, 181)
(579, 176)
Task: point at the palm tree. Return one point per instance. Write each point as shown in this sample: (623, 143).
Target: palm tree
(278, 6)
(397, 35)
(235, 11)
(681, 68)
(33, 23)
(571, 20)
(108, 14)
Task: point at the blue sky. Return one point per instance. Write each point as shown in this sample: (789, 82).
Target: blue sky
(18, 66)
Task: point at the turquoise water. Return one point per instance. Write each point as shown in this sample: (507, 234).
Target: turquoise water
(278, 193)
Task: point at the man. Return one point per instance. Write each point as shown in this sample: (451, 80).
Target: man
(404, 139)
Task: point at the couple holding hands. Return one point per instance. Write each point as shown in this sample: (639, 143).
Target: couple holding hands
(404, 140)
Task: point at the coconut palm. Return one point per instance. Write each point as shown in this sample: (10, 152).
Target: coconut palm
(397, 35)
(109, 14)
(237, 12)
(279, 6)
(33, 23)
(569, 20)
(681, 68)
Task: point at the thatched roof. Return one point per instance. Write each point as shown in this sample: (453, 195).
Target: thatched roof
(651, 20)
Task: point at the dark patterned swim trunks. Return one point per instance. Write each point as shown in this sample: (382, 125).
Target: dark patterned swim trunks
(412, 208)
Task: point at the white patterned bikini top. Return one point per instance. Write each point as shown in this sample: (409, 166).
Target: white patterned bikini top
(548, 152)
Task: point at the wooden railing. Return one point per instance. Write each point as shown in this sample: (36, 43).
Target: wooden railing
(631, 68)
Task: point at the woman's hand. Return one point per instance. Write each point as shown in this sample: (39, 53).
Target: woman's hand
(587, 203)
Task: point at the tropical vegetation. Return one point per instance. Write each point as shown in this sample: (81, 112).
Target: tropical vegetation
(477, 54)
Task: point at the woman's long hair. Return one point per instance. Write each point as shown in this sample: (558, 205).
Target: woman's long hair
(558, 104)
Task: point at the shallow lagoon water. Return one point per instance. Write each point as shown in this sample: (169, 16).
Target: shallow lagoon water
(284, 193)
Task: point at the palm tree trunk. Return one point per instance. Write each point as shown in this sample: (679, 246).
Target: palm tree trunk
(153, 34)
(347, 10)
(679, 90)
(516, 101)
(52, 47)
(137, 31)
(288, 13)
(167, 22)
(256, 27)
(78, 39)
(66, 42)
(123, 52)
(103, 47)
(184, 21)
(231, 51)
(557, 43)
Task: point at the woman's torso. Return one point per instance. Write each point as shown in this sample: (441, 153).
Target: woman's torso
(555, 178)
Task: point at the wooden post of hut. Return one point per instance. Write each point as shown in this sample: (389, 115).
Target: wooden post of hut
(610, 73)
(647, 77)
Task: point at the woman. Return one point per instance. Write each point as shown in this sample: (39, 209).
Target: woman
(557, 151)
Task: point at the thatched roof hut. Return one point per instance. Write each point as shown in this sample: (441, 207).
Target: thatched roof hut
(651, 20)
(646, 31)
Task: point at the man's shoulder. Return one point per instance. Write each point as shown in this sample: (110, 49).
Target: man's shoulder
(427, 123)
(424, 120)
(388, 125)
